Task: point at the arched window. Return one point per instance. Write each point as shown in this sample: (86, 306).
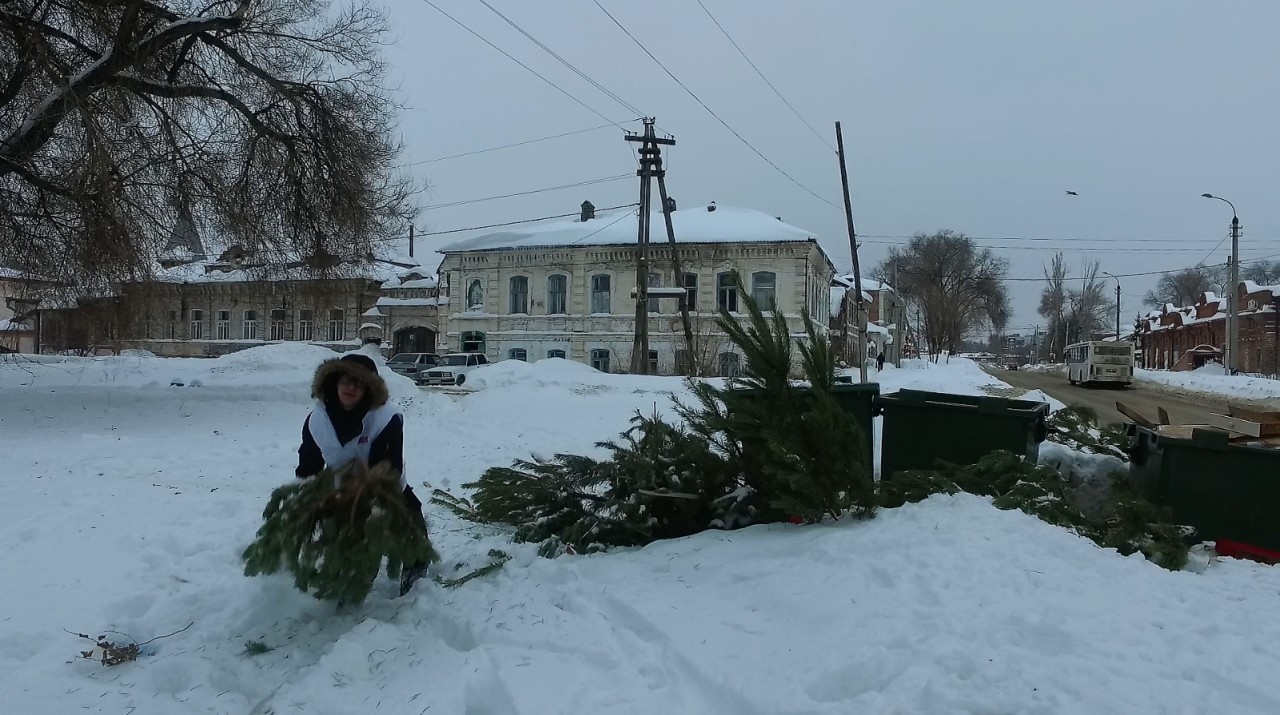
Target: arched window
(726, 292)
(601, 295)
(519, 295)
(223, 326)
(250, 323)
(306, 325)
(475, 295)
(518, 354)
(730, 365)
(197, 325)
(557, 295)
(473, 341)
(277, 323)
(337, 325)
(764, 289)
(556, 354)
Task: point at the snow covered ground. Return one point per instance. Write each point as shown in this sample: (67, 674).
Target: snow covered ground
(128, 502)
(1209, 379)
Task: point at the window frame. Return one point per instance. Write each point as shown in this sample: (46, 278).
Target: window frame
(306, 325)
(520, 354)
(690, 291)
(772, 290)
(654, 280)
(562, 294)
(249, 325)
(599, 356)
(563, 354)
(222, 325)
(520, 307)
(607, 293)
(736, 362)
(195, 326)
(337, 326)
(278, 323)
(727, 294)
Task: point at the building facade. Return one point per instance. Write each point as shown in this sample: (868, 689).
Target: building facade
(1171, 335)
(567, 289)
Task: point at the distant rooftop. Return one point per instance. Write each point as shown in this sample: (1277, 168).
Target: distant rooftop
(701, 224)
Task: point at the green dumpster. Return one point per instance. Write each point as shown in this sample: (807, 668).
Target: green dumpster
(858, 401)
(1223, 490)
(921, 428)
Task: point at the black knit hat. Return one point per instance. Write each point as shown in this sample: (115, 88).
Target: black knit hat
(361, 360)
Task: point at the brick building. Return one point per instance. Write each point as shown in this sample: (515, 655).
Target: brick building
(1171, 334)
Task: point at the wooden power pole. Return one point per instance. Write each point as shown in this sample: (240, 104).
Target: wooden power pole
(651, 168)
(860, 352)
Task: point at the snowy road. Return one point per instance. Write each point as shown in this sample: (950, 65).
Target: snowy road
(1144, 398)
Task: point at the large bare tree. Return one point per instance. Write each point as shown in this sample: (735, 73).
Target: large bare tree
(264, 119)
(955, 285)
(1184, 287)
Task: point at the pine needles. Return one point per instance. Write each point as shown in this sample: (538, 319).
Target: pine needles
(335, 539)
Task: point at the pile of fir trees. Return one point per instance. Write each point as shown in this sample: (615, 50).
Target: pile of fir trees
(334, 532)
(1131, 525)
(760, 449)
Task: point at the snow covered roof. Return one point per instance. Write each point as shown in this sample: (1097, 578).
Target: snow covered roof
(386, 302)
(1252, 287)
(208, 272)
(726, 224)
(868, 284)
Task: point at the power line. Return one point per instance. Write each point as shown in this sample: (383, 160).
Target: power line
(515, 144)
(627, 105)
(589, 182)
(598, 230)
(513, 223)
(709, 110)
(766, 79)
(1104, 249)
(1059, 240)
(558, 88)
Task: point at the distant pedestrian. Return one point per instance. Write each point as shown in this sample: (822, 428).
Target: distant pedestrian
(880, 361)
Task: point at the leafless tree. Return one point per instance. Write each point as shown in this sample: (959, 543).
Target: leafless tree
(1182, 287)
(1261, 272)
(956, 286)
(264, 119)
(1053, 302)
(1089, 307)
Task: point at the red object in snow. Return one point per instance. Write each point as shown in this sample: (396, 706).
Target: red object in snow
(795, 520)
(1241, 550)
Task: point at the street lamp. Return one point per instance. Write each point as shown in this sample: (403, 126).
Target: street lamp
(1233, 315)
(1117, 304)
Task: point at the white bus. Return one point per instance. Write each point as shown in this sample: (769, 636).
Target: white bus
(1100, 363)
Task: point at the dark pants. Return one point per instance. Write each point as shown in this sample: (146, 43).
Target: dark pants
(415, 506)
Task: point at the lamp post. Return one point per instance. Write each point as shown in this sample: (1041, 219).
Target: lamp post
(1117, 305)
(1233, 315)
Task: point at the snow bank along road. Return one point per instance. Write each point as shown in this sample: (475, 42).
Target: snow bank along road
(1144, 397)
(127, 503)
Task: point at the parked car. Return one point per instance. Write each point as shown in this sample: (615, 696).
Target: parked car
(413, 365)
(453, 369)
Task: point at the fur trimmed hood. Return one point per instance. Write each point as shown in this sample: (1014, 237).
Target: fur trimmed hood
(325, 384)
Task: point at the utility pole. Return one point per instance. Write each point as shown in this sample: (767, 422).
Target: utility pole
(900, 315)
(650, 165)
(857, 271)
(1233, 313)
(411, 240)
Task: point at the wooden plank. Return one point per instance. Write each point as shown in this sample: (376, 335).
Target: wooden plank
(1134, 415)
(1163, 414)
(1235, 424)
(1263, 417)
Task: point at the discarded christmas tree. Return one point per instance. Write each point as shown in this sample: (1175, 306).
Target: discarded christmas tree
(335, 531)
(759, 449)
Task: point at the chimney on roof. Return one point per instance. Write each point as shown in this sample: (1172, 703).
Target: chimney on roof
(711, 206)
(588, 211)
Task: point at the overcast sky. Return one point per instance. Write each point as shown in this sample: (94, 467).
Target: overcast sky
(976, 116)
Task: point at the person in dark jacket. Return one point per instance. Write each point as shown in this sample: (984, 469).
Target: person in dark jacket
(880, 361)
(352, 421)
